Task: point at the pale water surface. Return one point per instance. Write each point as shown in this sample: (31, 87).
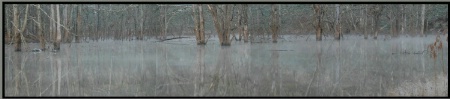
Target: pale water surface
(291, 67)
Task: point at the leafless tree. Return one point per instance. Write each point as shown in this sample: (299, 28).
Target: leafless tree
(199, 28)
(317, 21)
(422, 29)
(222, 22)
(337, 26)
(57, 43)
(275, 22)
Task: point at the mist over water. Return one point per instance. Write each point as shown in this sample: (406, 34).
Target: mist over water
(292, 67)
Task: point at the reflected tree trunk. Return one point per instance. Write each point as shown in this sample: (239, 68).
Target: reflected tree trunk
(275, 72)
(18, 63)
(223, 63)
(58, 68)
(199, 78)
(337, 77)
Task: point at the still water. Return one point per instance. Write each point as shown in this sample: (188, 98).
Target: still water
(291, 67)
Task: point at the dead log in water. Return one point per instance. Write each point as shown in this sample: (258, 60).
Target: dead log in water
(162, 40)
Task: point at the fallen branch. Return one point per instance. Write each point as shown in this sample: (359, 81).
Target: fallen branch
(171, 39)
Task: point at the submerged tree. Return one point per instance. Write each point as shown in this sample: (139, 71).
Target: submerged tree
(317, 19)
(199, 28)
(57, 42)
(375, 11)
(422, 28)
(245, 22)
(365, 20)
(337, 26)
(222, 22)
(18, 32)
(275, 22)
(394, 19)
(163, 21)
(39, 26)
(79, 27)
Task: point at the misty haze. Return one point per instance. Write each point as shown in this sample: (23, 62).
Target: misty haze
(225, 50)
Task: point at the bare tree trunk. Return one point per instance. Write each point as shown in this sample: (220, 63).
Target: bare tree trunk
(202, 25)
(403, 15)
(227, 25)
(18, 32)
(275, 23)
(317, 17)
(245, 22)
(141, 25)
(239, 23)
(222, 22)
(66, 32)
(395, 21)
(195, 15)
(376, 14)
(199, 27)
(77, 36)
(365, 21)
(337, 26)
(57, 43)
(422, 29)
(41, 35)
(275, 70)
(163, 22)
(97, 28)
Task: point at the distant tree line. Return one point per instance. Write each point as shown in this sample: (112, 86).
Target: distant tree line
(75, 23)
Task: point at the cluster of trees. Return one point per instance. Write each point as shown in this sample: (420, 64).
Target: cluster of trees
(66, 23)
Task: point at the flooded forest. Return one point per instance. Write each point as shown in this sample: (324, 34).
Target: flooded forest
(146, 50)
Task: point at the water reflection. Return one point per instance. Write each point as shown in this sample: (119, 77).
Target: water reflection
(326, 68)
